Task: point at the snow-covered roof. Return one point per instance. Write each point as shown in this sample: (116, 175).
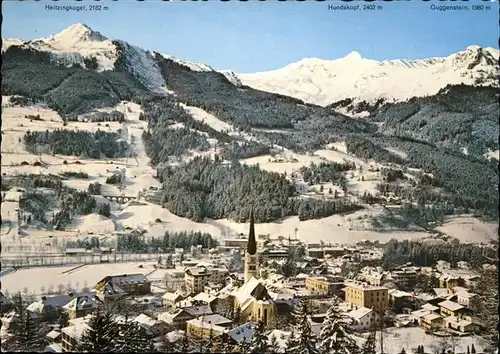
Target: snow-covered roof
(83, 302)
(213, 319)
(172, 296)
(430, 307)
(207, 298)
(75, 331)
(243, 332)
(55, 301)
(450, 305)
(53, 334)
(359, 313)
(458, 321)
(441, 292)
(399, 293)
(431, 317)
(198, 310)
(420, 313)
(145, 320)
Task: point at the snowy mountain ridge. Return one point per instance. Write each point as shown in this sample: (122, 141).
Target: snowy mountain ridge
(324, 82)
(312, 80)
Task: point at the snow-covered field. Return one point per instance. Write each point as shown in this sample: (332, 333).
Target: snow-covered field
(139, 177)
(87, 276)
(468, 229)
(333, 229)
(396, 339)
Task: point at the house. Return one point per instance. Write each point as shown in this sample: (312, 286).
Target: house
(365, 295)
(450, 308)
(364, 319)
(53, 336)
(48, 307)
(432, 321)
(400, 299)
(322, 285)
(254, 302)
(431, 308)
(116, 286)
(178, 318)
(374, 276)
(461, 325)
(467, 299)
(11, 321)
(208, 326)
(71, 335)
(81, 306)
(151, 326)
(450, 281)
(169, 299)
(208, 299)
(405, 277)
(212, 287)
(197, 277)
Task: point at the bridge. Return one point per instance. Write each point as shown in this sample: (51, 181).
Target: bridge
(120, 199)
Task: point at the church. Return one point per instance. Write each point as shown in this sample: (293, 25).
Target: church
(252, 299)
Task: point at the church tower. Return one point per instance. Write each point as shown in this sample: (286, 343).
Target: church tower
(251, 261)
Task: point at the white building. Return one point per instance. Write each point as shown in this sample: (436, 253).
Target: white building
(364, 319)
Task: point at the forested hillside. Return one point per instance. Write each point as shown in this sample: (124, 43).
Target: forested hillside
(68, 90)
(311, 126)
(464, 181)
(206, 189)
(457, 117)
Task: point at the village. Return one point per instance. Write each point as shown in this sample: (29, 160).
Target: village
(251, 281)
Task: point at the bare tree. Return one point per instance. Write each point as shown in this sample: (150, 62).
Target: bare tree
(60, 288)
(51, 289)
(42, 289)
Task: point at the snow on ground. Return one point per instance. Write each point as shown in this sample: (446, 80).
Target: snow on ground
(203, 116)
(268, 162)
(493, 154)
(395, 339)
(75, 43)
(93, 223)
(333, 229)
(469, 229)
(36, 278)
(144, 217)
(194, 66)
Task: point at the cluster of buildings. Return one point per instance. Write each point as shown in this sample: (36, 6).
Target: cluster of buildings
(209, 300)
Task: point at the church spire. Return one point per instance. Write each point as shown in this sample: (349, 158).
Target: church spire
(252, 244)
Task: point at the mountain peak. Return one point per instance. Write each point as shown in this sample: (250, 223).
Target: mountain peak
(78, 32)
(353, 56)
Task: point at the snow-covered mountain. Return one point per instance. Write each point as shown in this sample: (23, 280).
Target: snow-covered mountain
(73, 45)
(324, 82)
(312, 80)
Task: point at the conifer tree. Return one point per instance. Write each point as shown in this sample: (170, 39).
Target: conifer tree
(468, 350)
(305, 341)
(335, 336)
(259, 340)
(243, 346)
(369, 345)
(473, 349)
(133, 338)
(101, 334)
(274, 345)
